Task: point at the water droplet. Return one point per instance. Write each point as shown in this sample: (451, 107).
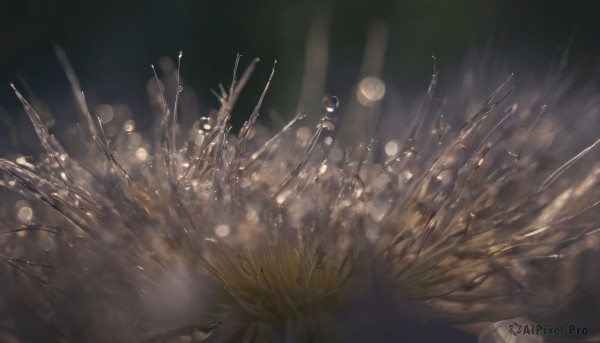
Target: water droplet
(25, 214)
(141, 154)
(328, 124)
(330, 103)
(323, 169)
(203, 124)
(391, 148)
(408, 175)
(370, 90)
(222, 230)
(22, 160)
(129, 125)
(358, 191)
(280, 198)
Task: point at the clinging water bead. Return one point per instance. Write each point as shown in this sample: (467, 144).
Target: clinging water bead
(203, 123)
(330, 103)
(475, 210)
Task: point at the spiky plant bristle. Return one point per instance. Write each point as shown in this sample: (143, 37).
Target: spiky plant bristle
(197, 232)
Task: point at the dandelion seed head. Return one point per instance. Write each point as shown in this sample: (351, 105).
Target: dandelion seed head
(261, 234)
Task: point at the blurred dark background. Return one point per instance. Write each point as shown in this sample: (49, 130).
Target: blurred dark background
(112, 43)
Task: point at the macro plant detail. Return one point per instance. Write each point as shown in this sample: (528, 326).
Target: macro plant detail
(463, 214)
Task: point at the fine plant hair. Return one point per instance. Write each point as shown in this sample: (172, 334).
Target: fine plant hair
(477, 205)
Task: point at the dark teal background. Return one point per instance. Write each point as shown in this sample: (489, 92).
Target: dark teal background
(111, 43)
